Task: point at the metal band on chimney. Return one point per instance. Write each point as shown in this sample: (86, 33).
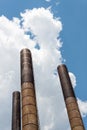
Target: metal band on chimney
(70, 99)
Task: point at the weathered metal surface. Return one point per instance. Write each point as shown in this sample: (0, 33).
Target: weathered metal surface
(28, 92)
(16, 113)
(30, 127)
(65, 82)
(78, 128)
(29, 118)
(29, 106)
(26, 66)
(28, 100)
(70, 99)
(27, 85)
(28, 109)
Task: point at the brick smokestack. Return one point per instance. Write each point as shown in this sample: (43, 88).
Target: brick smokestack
(29, 106)
(70, 99)
(16, 113)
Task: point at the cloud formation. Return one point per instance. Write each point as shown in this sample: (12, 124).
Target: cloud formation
(47, 0)
(83, 107)
(38, 30)
(73, 79)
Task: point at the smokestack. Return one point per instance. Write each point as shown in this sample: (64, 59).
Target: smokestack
(16, 113)
(70, 99)
(29, 106)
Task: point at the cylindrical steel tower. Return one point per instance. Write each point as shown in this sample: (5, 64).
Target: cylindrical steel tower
(16, 113)
(70, 99)
(29, 106)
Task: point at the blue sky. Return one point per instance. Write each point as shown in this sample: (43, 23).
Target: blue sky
(72, 14)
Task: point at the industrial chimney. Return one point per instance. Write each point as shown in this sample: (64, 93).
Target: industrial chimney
(29, 106)
(16, 113)
(70, 99)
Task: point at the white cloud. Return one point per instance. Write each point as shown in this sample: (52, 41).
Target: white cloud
(73, 79)
(83, 107)
(36, 26)
(47, 0)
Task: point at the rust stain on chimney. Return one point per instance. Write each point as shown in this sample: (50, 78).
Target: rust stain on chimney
(29, 106)
(70, 99)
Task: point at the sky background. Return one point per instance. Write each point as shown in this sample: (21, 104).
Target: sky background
(59, 29)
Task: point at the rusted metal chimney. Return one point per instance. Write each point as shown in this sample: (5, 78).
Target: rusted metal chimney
(70, 99)
(29, 106)
(16, 113)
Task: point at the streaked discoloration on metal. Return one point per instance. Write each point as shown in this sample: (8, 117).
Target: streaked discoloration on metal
(70, 99)
(65, 82)
(16, 111)
(29, 105)
(26, 66)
